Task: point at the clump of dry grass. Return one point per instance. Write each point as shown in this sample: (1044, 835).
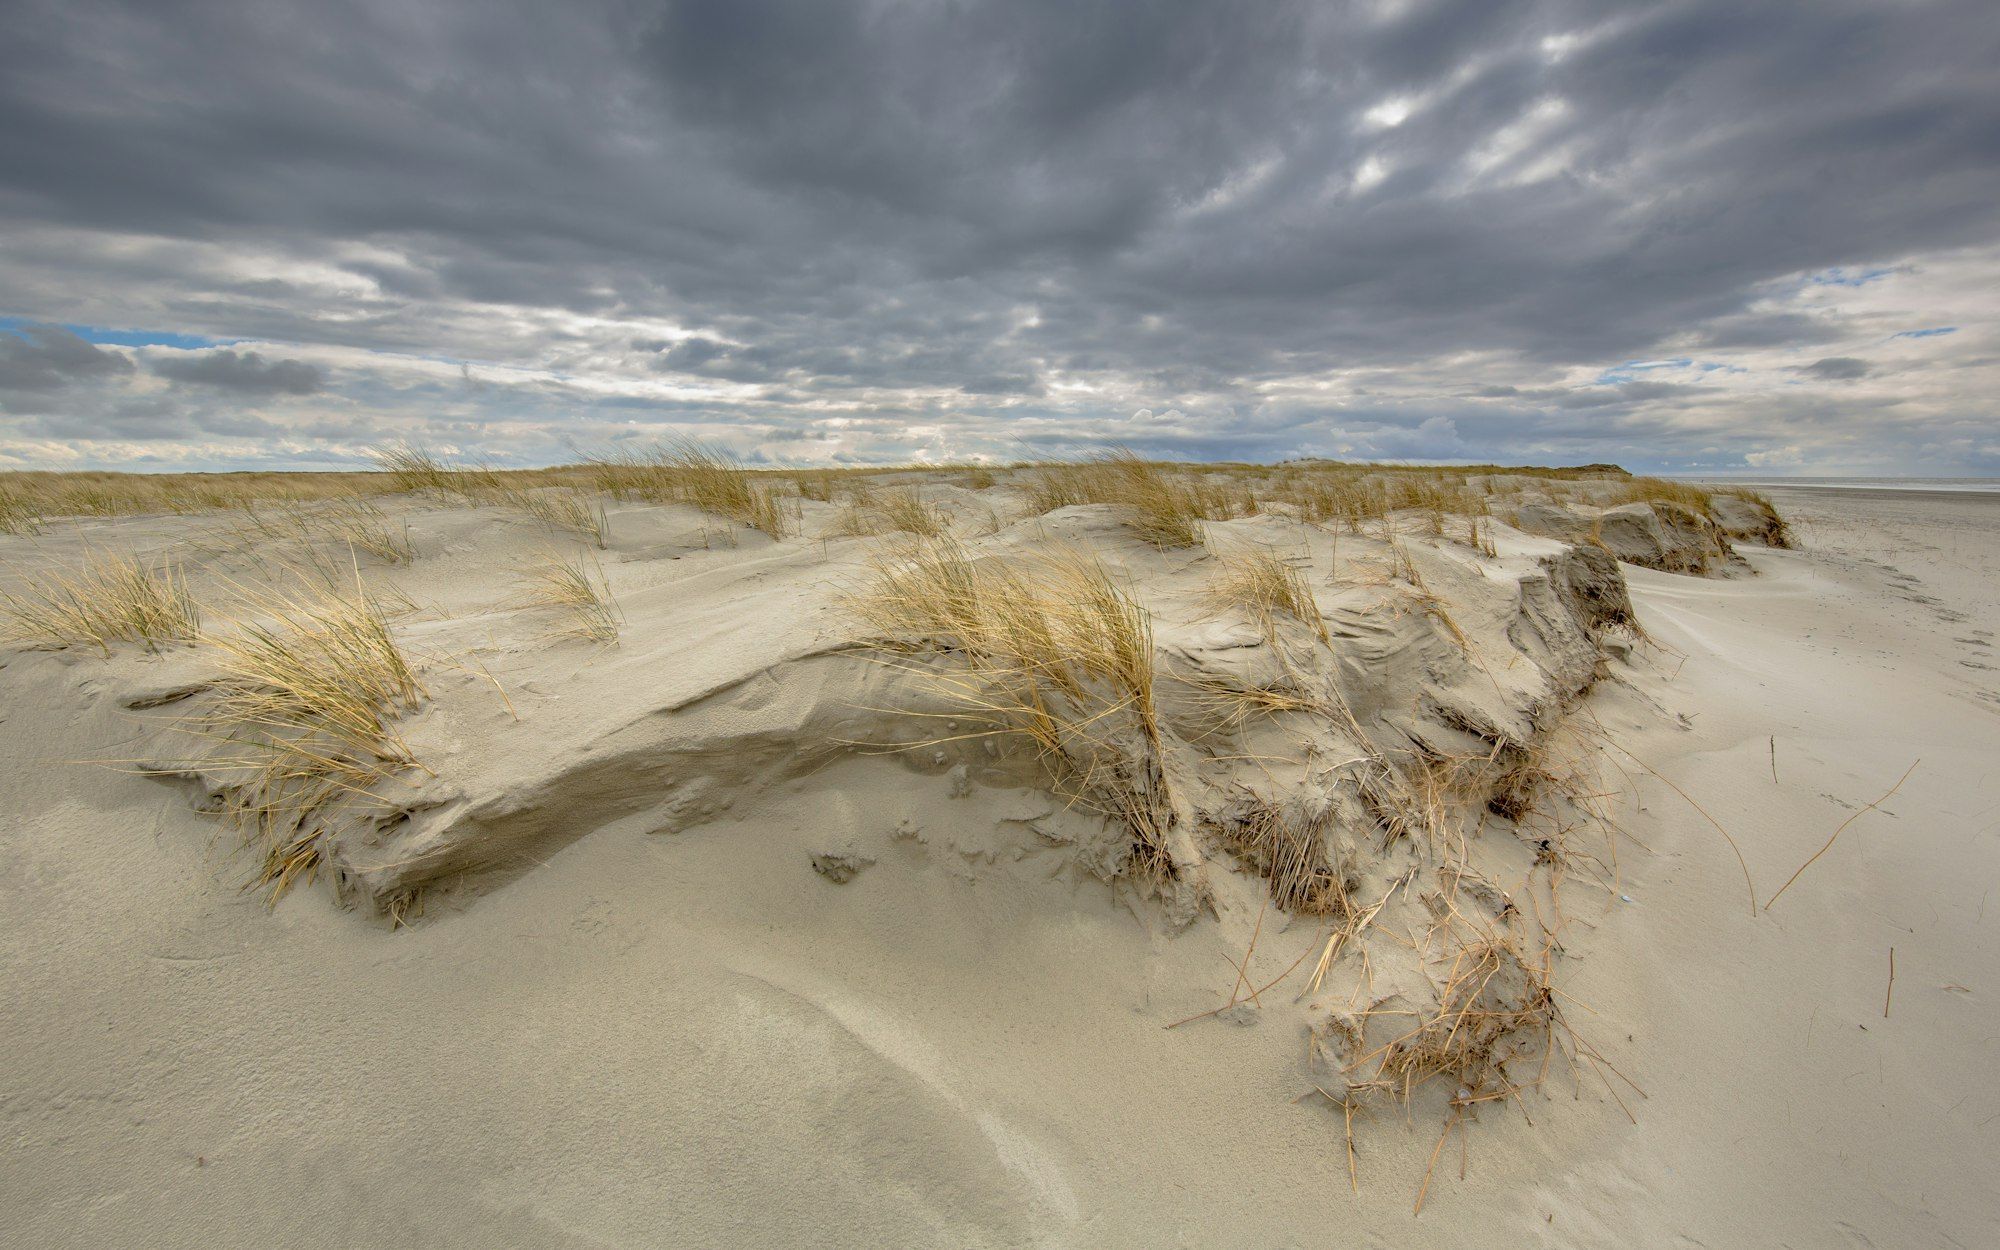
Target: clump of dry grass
(1480, 538)
(355, 524)
(18, 514)
(1268, 586)
(415, 468)
(691, 472)
(304, 715)
(110, 599)
(1051, 649)
(898, 509)
(1777, 533)
(1654, 489)
(711, 481)
(1491, 1006)
(29, 499)
(543, 496)
(1490, 1014)
(562, 509)
(1162, 509)
(815, 484)
(576, 591)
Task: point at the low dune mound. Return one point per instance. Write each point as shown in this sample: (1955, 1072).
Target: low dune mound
(1278, 682)
(1666, 536)
(1339, 699)
(1653, 534)
(1748, 517)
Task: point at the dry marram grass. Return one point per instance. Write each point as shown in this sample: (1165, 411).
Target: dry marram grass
(1267, 586)
(897, 509)
(1050, 649)
(576, 592)
(303, 715)
(112, 598)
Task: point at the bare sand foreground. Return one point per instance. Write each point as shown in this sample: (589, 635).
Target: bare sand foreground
(830, 995)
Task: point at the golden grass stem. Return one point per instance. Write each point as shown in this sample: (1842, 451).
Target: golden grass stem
(1837, 832)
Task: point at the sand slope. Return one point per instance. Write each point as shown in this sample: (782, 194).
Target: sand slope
(693, 1038)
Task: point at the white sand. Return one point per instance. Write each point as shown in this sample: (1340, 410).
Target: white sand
(692, 1038)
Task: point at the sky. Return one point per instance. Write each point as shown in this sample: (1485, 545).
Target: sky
(1690, 236)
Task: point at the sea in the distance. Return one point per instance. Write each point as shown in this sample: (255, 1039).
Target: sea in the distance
(1976, 485)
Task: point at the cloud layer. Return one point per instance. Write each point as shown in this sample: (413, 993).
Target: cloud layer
(1687, 236)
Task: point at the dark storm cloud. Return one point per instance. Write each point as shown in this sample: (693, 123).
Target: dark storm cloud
(1837, 368)
(246, 372)
(48, 358)
(1179, 201)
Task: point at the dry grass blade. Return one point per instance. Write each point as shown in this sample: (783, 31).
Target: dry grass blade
(577, 591)
(1715, 824)
(110, 599)
(1837, 832)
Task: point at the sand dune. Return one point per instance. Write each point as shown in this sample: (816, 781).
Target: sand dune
(678, 940)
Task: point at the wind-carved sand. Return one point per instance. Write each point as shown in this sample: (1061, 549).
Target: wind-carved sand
(1330, 712)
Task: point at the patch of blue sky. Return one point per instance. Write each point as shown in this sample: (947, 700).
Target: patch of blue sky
(1931, 333)
(1626, 371)
(121, 338)
(1840, 275)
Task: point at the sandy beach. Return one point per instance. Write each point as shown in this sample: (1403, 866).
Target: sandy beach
(691, 1037)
